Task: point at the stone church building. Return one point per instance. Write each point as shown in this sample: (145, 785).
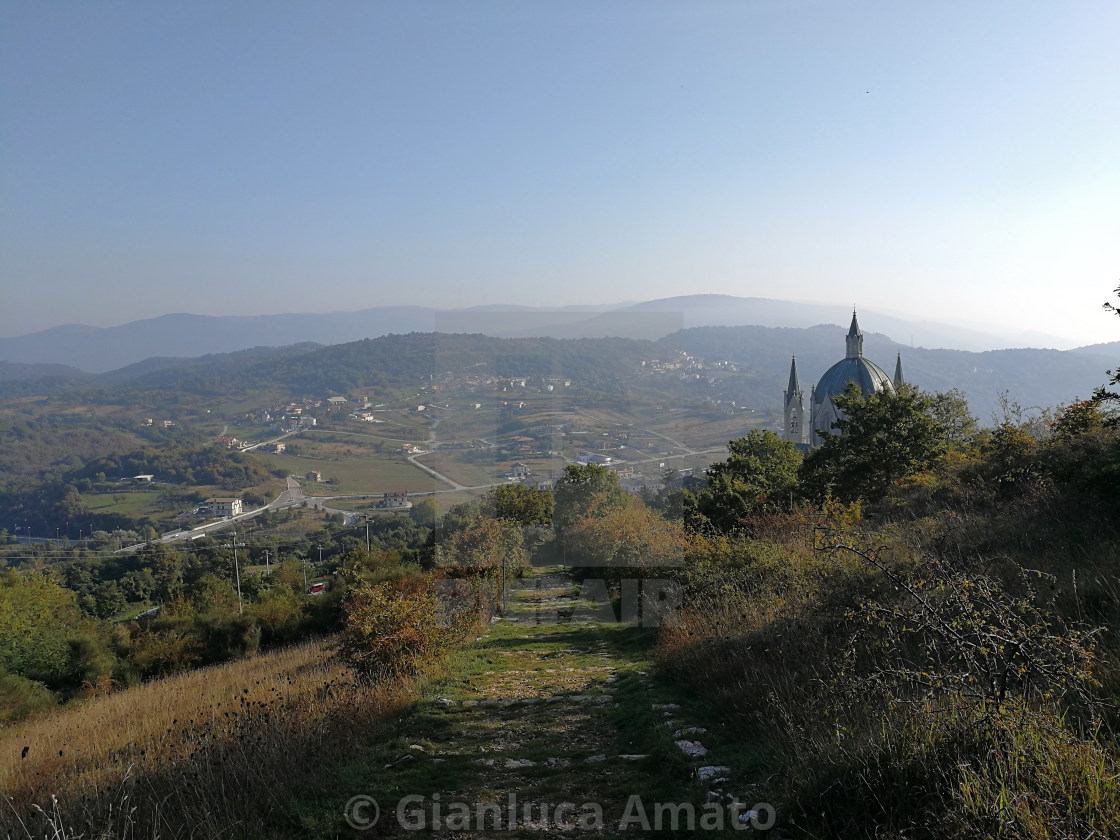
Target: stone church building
(803, 427)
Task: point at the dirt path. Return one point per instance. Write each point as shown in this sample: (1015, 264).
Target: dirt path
(549, 724)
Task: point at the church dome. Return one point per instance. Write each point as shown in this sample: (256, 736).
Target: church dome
(870, 378)
(824, 415)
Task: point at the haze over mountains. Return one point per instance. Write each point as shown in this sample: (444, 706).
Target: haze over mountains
(101, 349)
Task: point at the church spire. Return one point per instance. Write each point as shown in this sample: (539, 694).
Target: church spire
(794, 387)
(898, 380)
(794, 408)
(854, 339)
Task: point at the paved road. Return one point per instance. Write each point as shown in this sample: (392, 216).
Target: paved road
(273, 440)
(292, 497)
(454, 485)
(687, 449)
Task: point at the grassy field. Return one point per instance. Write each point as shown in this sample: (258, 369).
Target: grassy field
(412, 422)
(465, 472)
(357, 435)
(699, 431)
(135, 504)
(216, 751)
(358, 474)
(462, 471)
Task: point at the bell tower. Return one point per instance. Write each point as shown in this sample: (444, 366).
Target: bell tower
(794, 408)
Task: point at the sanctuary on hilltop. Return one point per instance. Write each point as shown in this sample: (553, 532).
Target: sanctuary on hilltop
(822, 412)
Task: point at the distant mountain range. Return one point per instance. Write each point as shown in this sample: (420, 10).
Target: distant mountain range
(101, 349)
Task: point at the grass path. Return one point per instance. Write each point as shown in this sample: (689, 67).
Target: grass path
(549, 723)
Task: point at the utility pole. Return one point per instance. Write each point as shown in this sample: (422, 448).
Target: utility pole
(320, 555)
(367, 535)
(237, 572)
(267, 568)
(504, 556)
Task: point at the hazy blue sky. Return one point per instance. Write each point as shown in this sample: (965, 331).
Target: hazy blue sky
(948, 160)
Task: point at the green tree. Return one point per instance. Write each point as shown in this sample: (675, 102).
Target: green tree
(758, 476)
(38, 620)
(879, 440)
(483, 548)
(521, 504)
(583, 488)
(949, 409)
(213, 594)
(632, 538)
(108, 599)
(138, 585)
(424, 513)
(166, 566)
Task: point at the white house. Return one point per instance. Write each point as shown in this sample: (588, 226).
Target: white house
(395, 499)
(224, 507)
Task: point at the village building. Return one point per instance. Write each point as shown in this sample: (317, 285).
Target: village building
(223, 507)
(395, 499)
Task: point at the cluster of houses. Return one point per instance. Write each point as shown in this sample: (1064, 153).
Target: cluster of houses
(543, 384)
(285, 417)
(685, 366)
(361, 413)
(292, 416)
(523, 474)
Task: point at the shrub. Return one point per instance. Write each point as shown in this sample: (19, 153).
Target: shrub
(949, 770)
(21, 697)
(392, 632)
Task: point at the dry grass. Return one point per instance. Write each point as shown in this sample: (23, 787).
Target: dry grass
(145, 726)
(775, 641)
(213, 752)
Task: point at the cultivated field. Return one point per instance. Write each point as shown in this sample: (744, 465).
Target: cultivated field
(356, 474)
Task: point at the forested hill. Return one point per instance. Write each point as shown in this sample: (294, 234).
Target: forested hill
(379, 365)
(761, 355)
(1029, 377)
(394, 361)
